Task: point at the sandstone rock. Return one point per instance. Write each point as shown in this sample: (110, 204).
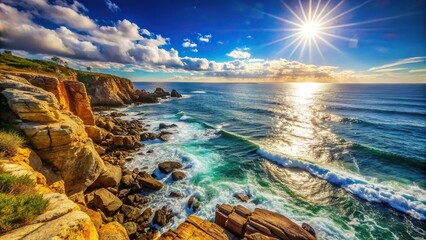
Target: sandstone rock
(131, 213)
(131, 228)
(113, 231)
(106, 201)
(52, 85)
(100, 150)
(94, 216)
(57, 136)
(143, 219)
(242, 211)
(242, 197)
(59, 205)
(118, 140)
(95, 133)
(108, 90)
(74, 225)
(127, 180)
(149, 182)
(236, 224)
(178, 175)
(168, 167)
(110, 177)
(79, 102)
(278, 225)
(197, 228)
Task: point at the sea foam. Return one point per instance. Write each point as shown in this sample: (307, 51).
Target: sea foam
(374, 192)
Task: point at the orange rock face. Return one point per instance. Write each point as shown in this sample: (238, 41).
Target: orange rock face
(79, 102)
(259, 224)
(197, 228)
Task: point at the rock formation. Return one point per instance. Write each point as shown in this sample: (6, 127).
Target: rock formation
(58, 136)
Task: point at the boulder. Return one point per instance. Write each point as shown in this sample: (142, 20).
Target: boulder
(148, 136)
(113, 231)
(118, 140)
(200, 229)
(110, 177)
(175, 194)
(95, 133)
(147, 181)
(164, 126)
(127, 180)
(242, 197)
(178, 175)
(131, 228)
(106, 201)
(59, 205)
(168, 167)
(162, 216)
(130, 213)
(174, 93)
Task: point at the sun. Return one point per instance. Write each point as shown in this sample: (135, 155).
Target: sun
(313, 25)
(310, 29)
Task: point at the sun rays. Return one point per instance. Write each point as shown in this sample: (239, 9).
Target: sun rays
(313, 26)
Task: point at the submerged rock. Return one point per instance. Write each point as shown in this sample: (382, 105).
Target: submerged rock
(178, 175)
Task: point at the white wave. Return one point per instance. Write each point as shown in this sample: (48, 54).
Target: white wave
(184, 118)
(200, 92)
(407, 202)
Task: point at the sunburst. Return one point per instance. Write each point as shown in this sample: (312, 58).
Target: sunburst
(314, 26)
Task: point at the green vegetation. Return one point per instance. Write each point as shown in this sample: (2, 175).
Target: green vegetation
(43, 66)
(19, 203)
(10, 141)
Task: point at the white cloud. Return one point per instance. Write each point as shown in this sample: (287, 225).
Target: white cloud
(112, 6)
(390, 69)
(417, 70)
(249, 36)
(204, 38)
(187, 43)
(194, 50)
(220, 42)
(399, 62)
(238, 54)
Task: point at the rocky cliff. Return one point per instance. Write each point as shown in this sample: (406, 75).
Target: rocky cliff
(108, 90)
(56, 135)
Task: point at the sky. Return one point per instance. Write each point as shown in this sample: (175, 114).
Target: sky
(223, 40)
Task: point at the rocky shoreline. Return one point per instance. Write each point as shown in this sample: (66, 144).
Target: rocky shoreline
(83, 153)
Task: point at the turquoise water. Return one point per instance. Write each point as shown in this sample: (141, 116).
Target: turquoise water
(350, 160)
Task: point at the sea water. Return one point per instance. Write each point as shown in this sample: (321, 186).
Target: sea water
(350, 160)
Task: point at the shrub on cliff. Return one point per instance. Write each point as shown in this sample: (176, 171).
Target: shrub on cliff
(19, 203)
(10, 142)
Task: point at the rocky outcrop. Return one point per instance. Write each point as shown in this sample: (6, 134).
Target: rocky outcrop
(108, 90)
(175, 93)
(197, 228)
(252, 225)
(62, 219)
(79, 102)
(56, 135)
(71, 95)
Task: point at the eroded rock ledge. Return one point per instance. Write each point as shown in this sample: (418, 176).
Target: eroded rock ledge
(240, 223)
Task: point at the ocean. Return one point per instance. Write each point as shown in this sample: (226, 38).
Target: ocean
(348, 159)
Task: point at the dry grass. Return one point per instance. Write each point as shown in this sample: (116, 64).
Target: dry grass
(19, 201)
(10, 142)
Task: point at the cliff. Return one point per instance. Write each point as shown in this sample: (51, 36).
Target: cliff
(102, 89)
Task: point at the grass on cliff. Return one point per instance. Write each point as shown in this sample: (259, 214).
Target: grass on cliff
(19, 201)
(10, 142)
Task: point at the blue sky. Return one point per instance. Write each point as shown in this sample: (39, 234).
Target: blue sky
(378, 41)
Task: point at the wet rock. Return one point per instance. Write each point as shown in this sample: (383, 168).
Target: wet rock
(148, 136)
(164, 126)
(242, 197)
(164, 137)
(143, 219)
(131, 228)
(147, 181)
(174, 93)
(150, 151)
(168, 167)
(178, 175)
(175, 194)
(309, 229)
(162, 216)
(193, 203)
